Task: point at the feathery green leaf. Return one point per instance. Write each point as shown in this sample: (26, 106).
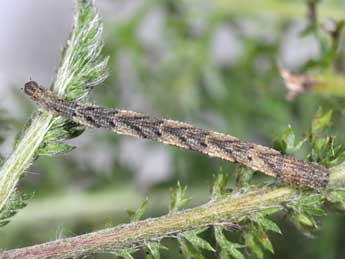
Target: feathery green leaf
(196, 241)
(136, 215)
(177, 198)
(82, 67)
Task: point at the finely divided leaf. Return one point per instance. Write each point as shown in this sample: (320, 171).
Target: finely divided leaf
(265, 223)
(177, 198)
(286, 143)
(219, 186)
(228, 249)
(196, 241)
(82, 66)
(126, 253)
(188, 250)
(136, 215)
(321, 121)
(16, 202)
(153, 249)
(55, 148)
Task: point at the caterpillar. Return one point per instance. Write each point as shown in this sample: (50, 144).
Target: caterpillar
(214, 144)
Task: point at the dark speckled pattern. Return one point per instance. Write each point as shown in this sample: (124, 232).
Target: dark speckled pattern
(214, 144)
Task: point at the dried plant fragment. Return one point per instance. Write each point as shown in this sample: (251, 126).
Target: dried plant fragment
(296, 83)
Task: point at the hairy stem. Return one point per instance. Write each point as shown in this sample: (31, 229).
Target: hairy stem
(124, 236)
(81, 66)
(228, 209)
(22, 156)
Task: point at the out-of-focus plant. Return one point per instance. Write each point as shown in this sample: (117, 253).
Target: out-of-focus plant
(184, 62)
(323, 75)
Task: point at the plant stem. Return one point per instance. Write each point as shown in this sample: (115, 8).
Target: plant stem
(22, 156)
(228, 209)
(128, 235)
(81, 66)
(329, 84)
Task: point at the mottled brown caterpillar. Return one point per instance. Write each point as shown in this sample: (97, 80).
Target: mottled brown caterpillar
(183, 135)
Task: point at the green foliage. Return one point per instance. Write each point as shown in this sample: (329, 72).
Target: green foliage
(266, 224)
(321, 122)
(192, 245)
(323, 147)
(152, 250)
(16, 202)
(328, 40)
(324, 150)
(137, 215)
(251, 241)
(303, 212)
(81, 68)
(54, 148)
(243, 177)
(337, 198)
(82, 65)
(287, 142)
(126, 253)
(227, 248)
(197, 242)
(177, 198)
(255, 234)
(219, 188)
(188, 251)
(61, 131)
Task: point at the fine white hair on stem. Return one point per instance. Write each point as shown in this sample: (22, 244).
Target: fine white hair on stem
(81, 66)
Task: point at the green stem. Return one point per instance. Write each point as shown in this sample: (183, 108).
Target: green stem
(81, 66)
(329, 84)
(124, 236)
(22, 156)
(230, 209)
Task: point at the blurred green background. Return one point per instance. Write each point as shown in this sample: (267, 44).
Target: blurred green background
(211, 63)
